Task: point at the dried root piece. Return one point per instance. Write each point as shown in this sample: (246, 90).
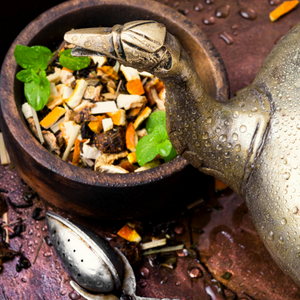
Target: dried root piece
(51, 142)
(109, 159)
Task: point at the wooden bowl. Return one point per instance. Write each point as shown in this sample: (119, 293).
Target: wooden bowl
(85, 192)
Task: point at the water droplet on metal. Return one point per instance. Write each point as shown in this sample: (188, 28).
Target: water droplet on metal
(209, 1)
(287, 175)
(271, 236)
(219, 147)
(243, 129)
(236, 114)
(237, 148)
(223, 138)
(283, 221)
(208, 120)
(235, 136)
(222, 11)
(295, 210)
(248, 13)
(205, 135)
(209, 21)
(280, 240)
(87, 43)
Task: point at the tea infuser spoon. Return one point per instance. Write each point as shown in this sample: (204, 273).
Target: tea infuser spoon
(96, 268)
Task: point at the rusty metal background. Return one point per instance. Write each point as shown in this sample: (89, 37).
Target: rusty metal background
(221, 230)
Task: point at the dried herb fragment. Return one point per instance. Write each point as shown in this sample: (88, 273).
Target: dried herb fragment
(23, 263)
(226, 276)
(36, 214)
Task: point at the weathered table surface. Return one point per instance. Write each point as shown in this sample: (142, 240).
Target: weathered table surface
(221, 230)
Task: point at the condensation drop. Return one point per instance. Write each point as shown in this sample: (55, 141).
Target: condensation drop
(271, 236)
(248, 13)
(235, 136)
(209, 21)
(205, 135)
(283, 221)
(243, 129)
(286, 175)
(223, 138)
(226, 38)
(237, 147)
(223, 11)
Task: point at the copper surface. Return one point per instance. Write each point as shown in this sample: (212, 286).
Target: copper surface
(229, 241)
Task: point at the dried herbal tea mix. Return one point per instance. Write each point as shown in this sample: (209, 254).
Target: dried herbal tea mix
(93, 111)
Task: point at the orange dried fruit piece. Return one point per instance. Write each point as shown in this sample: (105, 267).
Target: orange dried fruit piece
(127, 166)
(159, 86)
(118, 117)
(66, 69)
(135, 87)
(132, 157)
(129, 234)
(52, 117)
(282, 9)
(96, 126)
(76, 154)
(219, 185)
(131, 137)
(142, 117)
(112, 74)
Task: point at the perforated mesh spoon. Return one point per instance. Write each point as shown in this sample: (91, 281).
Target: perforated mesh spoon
(93, 264)
(87, 257)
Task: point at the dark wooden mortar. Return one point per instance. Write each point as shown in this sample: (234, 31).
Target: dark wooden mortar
(85, 192)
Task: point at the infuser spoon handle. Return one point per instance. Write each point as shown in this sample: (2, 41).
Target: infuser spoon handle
(146, 298)
(86, 295)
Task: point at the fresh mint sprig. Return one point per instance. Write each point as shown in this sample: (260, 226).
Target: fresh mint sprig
(34, 61)
(156, 142)
(36, 85)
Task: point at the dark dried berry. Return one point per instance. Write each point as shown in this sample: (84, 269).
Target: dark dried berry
(112, 141)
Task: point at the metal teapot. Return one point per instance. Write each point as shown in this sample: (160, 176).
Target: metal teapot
(249, 142)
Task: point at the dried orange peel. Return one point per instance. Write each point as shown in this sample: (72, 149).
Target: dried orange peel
(135, 87)
(129, 234)
(282, 9)
(76, 154)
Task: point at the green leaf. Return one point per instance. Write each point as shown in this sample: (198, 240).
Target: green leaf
(29, 58)
(37, 94)
(27, 76)
(156, 118)
(155, 143)
(44, 51)
(172, 154)
(72, 62)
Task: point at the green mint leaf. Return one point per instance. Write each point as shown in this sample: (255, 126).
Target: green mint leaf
(44, 51)
(153, 144)
(145, 150)
(155, 119)
(71, 62)
(27, 76)
(29, 58)
(172, 154)
(37, 94)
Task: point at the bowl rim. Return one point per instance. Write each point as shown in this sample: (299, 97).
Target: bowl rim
(29, 144)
